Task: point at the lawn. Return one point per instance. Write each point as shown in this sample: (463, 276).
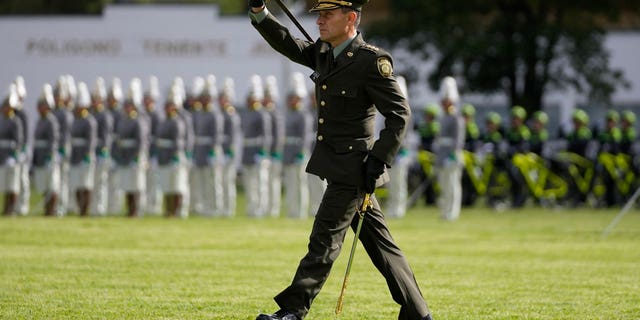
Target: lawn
(529, 264)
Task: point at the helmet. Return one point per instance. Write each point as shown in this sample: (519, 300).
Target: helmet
(449, 90)
(468, 110)
(84, 97)
(296, 85)
(46, 96)
(271, 87)
(580, 115)
(541, 116)
(518, 112)
(494, 117)
(432, 110)
(629, 116)
(613, 115)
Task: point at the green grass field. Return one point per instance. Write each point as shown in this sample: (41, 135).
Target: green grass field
(530, 264)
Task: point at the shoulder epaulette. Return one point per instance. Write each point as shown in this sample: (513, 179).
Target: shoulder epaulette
(371, 48)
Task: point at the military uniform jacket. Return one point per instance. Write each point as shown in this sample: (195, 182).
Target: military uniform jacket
(22, 117)
(232, 134)
(171, 140)
(298, 136)
(131, 141)
(208, 129)
(11, 139)
(65, 119)
(84, 137)
(277, 132)
(45, 140)
(256, 130)
(190, 135)
(154, 123)
(105, 132)
(348, 92)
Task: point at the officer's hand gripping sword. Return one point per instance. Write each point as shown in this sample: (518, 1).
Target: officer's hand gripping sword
(366, 205)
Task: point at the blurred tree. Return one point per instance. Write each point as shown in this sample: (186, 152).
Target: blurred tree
(24, 7)
(519, 47)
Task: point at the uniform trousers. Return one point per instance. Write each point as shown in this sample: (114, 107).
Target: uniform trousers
(153, 203)
(255, 179)
(25, 189)
(397, 188)
(229, 191)
(317, 187)
(207, 190)
(296, 191)
(450, 191)
(101, 187)
(46, 180)
(275, 188)
(116, 198)
(63, 197)
(336, 214)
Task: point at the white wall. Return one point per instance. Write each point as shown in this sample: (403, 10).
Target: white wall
(138, 41)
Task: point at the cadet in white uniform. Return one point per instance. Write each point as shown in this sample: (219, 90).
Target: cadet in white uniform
(231, 146)
(84, 137)
(276, 116)
(448, 149)
(297, 148)
(11, 142)
(104, 121)
(114, 99)
(399, 172)
(63, 101)
(206, 177)
(153, 201)
(256, 130)
(131, 148)
(170, 143)
(45, 162)
(24, 195)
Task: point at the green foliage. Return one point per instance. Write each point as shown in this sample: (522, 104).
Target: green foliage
(522, 48)
(29, 7)
(524, 264)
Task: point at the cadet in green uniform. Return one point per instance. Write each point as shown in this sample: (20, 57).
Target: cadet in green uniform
(518, 136)
(429, 130)
(471, 144)
(353, 80)
(609, 140)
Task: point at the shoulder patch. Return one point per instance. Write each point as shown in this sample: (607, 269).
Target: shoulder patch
(384, 67)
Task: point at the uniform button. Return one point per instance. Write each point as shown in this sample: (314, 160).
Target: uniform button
(350, 147)
(321, 120)
(324, 87)
(322, 103)
(320, 138)
(343, 92)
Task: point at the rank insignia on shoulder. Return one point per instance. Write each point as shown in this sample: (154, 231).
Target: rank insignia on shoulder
(370, 47)
(384, 67)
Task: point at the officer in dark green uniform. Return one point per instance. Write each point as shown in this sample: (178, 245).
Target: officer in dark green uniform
(352, 80)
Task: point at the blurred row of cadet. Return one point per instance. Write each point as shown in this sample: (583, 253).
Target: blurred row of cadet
(511, 160)
(111, 152)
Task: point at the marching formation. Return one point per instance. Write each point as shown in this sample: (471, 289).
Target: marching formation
(110, 149)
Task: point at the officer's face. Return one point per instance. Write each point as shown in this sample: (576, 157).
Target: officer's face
(334, 25)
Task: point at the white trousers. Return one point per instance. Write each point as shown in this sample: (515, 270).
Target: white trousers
(296, 189)
(153, 203)
(229, 191)
(207, 190)
(255, 181)
(317, 187)
(24, 196)
(450, 191)
(115, 195)
(397, 188)
(275, 188)
(63, 196)
(101, 188)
